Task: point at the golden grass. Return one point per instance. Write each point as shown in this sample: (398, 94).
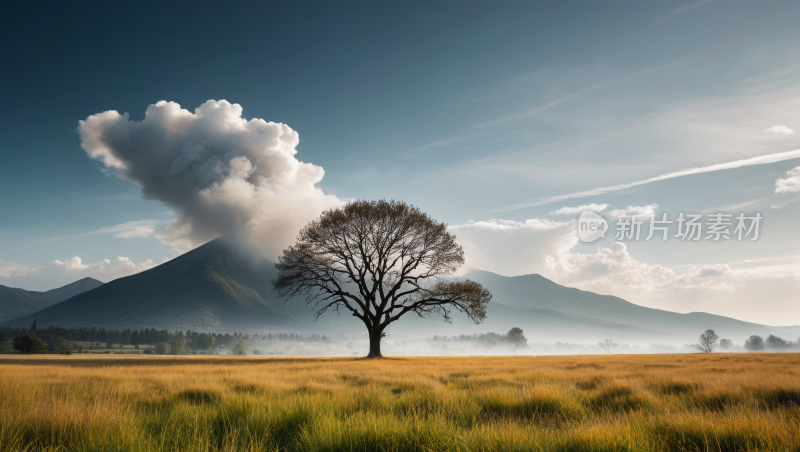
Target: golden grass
(731, 402)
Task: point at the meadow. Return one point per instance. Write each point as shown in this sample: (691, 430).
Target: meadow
(681, 402)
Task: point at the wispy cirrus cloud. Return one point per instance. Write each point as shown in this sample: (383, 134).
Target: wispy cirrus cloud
(434, 144)
(580, 92)
(760, 160)
(127, 230)
(679, 11)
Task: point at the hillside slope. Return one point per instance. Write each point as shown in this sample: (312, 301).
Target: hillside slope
(206, 289)
(19, 302)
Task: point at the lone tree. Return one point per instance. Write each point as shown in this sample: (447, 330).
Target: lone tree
(708, 341)
(517, 337)
(607, 345)
(379, 260)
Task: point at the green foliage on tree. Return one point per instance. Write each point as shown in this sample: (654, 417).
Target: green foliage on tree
(240, 347)
(204, 341)
(176, 345)
(28, 343)
(162, 348)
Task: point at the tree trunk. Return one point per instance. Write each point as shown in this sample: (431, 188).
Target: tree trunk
(375, 344)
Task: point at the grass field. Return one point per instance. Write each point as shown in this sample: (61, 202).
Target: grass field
(725, 402)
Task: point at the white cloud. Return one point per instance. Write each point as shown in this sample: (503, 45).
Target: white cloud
(791, 184)
(547, 248)
(219, 172)
(9, 269)
(579, 209)
(779, 130)
(635, 210)
(59, 273)
(612, 270)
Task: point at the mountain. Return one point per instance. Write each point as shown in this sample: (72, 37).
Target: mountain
(549, 307)
(211, 288)
(19, 302)
(214, 288)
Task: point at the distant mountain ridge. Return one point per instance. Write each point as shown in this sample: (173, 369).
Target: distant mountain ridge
(215, 289)
(530, 296)
(16, 302)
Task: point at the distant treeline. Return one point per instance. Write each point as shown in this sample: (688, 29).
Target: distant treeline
(514, 336)
(60, 339)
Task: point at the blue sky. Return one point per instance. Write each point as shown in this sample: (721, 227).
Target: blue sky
(465, 109)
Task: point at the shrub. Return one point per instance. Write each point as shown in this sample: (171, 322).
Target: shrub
(754, 343)
(777, 343)
(28, 343)
(162, 348)
(176, 345)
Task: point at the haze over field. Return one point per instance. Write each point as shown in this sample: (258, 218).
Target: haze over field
(505, 123)
(215, 288)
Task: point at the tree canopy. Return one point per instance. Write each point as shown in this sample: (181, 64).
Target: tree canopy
(28, 343)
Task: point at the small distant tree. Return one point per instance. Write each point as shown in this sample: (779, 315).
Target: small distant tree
(517, 337)
(708, 341)
(33, 327)
(754, 343)
(240, 347)
(176, 345)
(28, 343)
(777, 343)
(607, 345)
(162, 348)
(204, 341)
(725, 344)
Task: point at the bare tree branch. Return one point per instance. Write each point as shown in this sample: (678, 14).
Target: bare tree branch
(379, 260)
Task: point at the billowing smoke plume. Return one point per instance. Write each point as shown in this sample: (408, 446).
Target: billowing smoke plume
(220, 172)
